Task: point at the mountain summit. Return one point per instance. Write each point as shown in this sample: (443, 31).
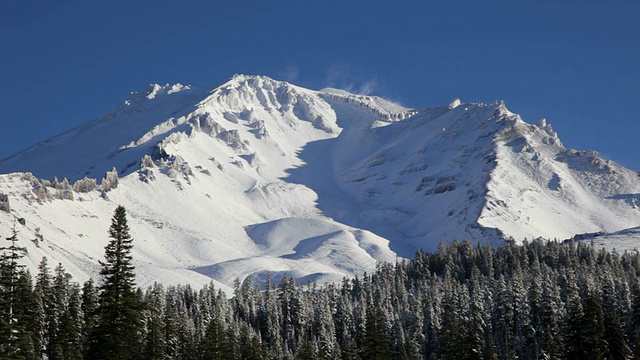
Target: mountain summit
(260, 176)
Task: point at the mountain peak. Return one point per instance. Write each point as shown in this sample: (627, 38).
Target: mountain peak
(254, 81)
(258, 175)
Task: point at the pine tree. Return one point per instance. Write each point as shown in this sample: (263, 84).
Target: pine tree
(377, 344)
(489, 350)
(68, 336)
(593, 329)
(14, 289)
(250, 347)
(615, 338)
(218, 343)
(44, 301)
(306, 349)
(585, 330)
(117, 332)
(270, 320)
(154, 342)
(89, 316)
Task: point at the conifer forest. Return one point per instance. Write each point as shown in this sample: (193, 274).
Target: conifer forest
(538, 300)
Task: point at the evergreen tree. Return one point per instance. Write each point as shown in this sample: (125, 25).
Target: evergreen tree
(377, 343)
(250, 347)
(15, 289)
(218, 343)
(154, 341)
(574, 350)
(270, 320)
(89, 304)
(593, 329)
(585, 330)
(615, 338)
(306, 349)
(117, 332)
(179, 328)
(489, 350)
(44, 301)
(535, 301)
(25, 316)
(68, 336)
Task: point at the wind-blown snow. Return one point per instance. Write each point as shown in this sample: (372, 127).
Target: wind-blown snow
(259, 177)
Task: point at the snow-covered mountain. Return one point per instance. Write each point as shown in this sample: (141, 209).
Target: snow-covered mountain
(260, 176)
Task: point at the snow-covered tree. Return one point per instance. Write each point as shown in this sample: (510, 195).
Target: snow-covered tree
(117, 332)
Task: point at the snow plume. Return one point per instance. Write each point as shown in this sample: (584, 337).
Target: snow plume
(368, 87)
(291, 73)
(349, 78)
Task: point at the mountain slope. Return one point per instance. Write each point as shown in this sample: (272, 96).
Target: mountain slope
(260, 176)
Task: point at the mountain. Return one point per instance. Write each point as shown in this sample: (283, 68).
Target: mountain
(259, 177)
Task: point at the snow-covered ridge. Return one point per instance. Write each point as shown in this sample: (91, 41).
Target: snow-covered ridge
(259, 175)
(379, 107)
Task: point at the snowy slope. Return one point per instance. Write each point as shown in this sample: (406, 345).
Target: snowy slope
(259, 176)
(623, 240)
(561, 192)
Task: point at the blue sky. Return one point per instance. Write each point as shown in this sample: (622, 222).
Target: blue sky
(576, 63)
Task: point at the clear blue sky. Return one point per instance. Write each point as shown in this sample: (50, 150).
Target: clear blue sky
(576, 63)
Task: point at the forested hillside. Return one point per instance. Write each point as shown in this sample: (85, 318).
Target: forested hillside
(532, 301)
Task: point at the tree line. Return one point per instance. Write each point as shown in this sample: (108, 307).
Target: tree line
(538, 300)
